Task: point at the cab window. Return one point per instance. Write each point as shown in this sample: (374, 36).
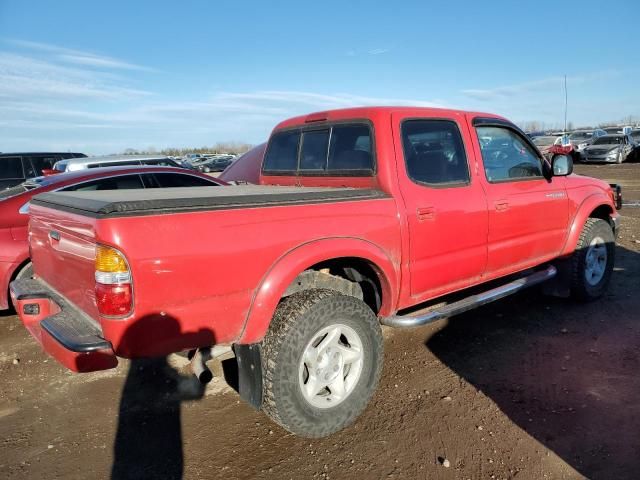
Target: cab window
(507, 156)
(434, 153)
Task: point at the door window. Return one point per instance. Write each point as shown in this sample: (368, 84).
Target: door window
(507, 156)
(434, 153)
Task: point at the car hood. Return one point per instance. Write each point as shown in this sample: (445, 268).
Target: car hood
(602, 148)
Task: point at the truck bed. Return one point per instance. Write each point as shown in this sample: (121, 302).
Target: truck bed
(155, 201)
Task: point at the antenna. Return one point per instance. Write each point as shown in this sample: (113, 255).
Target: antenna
(565, 103)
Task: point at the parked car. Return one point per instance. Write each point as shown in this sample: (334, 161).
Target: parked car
(613, 130)
(14, 206)
(635, 135)
(544, 143)
(15, 168)
(74, 164)
(581, 139)
(215, 164)
(246, 168)
(364, 215)
(611, 149)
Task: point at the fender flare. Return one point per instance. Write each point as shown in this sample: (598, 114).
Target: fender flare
(282, 273)
(587, 206)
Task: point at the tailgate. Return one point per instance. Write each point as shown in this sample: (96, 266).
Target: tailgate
(63, 254)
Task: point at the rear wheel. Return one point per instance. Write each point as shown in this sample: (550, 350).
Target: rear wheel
(592, 262)
(321, 360)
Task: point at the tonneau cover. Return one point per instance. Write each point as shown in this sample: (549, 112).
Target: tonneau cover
(155, 201)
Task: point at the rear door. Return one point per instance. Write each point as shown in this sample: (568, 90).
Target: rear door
(444, 204)
(528, 213)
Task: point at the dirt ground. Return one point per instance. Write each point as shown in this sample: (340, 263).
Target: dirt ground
(529, 387)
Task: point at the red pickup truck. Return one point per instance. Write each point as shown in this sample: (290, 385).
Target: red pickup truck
(366, 216)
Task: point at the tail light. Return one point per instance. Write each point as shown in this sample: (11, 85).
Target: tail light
(114, 293)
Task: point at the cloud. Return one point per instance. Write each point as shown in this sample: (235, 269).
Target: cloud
(541, 85)
(378, 51)
(79, 57)
(27, 77)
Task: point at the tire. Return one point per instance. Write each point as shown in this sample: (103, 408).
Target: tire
(593, 260)
(299, 326)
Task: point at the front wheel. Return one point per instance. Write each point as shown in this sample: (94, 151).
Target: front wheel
(592, 262)
(321, 361)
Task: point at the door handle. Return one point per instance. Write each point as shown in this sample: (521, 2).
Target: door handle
(501, 205)
(426, 213)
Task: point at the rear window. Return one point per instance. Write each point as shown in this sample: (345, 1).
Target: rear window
(342, 149)
(113, 164)
(13, 191)
(163, 162)
(313, 155)
(282, 153)
(170, 180)
(11, 167)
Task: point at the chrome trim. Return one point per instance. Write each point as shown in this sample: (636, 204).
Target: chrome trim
(471, 302)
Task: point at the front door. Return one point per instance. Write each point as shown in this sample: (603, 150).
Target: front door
(445, 205)
(528, 213)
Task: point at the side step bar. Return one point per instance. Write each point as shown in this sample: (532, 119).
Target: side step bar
(471, 302)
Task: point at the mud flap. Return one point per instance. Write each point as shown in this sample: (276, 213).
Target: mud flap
(249, 373)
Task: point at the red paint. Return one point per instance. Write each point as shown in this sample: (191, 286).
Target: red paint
(201, 278)
(14, 247)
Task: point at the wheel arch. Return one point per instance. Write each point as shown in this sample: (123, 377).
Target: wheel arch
(12, 277)
(289, 266)
(595, 206)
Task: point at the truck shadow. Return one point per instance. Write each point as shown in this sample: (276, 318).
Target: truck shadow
(566, 373)
(148, 441)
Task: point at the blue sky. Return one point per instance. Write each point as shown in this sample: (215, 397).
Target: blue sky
(100, 77)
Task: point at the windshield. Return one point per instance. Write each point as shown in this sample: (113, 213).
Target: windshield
(544, 141)
(609, 141)
(581, 135)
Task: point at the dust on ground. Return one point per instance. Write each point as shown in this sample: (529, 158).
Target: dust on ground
(529, 387)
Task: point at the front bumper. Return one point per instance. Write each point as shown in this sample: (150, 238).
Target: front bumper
(64, 332)
(598, 159)
(615, 223)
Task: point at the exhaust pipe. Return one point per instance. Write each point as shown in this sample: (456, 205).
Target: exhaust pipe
(199, 358)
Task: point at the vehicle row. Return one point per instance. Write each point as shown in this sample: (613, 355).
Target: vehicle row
(610, 145)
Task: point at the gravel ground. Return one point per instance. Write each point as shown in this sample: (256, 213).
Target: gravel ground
(528, 387)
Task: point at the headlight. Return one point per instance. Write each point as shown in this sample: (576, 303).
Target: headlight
(612, 153)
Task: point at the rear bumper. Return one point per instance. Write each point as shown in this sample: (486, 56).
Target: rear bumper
(64, 332)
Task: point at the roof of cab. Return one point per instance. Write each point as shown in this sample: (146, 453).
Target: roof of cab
(376, 112)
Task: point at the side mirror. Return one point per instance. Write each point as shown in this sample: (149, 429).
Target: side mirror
(562, 165)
